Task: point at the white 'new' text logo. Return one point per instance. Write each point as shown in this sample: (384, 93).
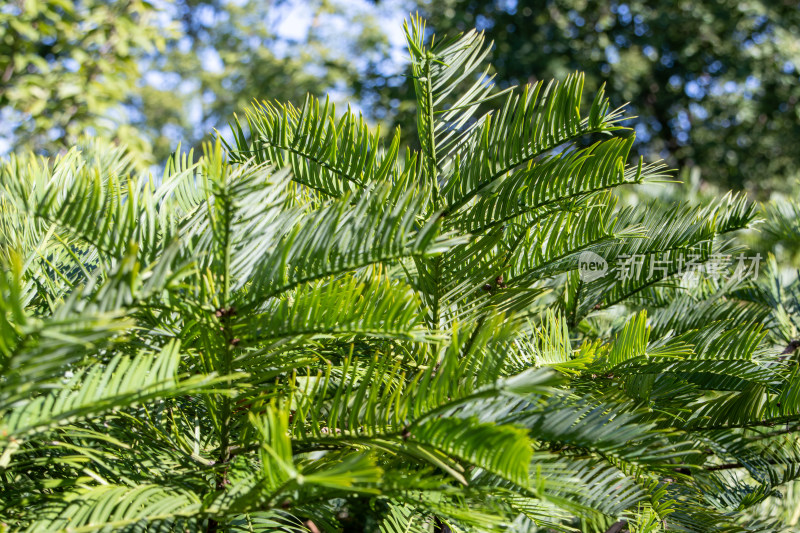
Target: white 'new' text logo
(591, 266)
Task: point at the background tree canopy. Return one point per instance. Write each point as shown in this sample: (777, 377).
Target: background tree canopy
(64, 65)
(152, 74)
(714, 84)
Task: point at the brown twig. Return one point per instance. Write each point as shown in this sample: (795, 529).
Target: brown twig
(616, 527)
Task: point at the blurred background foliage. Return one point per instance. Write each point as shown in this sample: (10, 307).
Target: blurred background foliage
(152, 74)
(714, 84)
(66, 66)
